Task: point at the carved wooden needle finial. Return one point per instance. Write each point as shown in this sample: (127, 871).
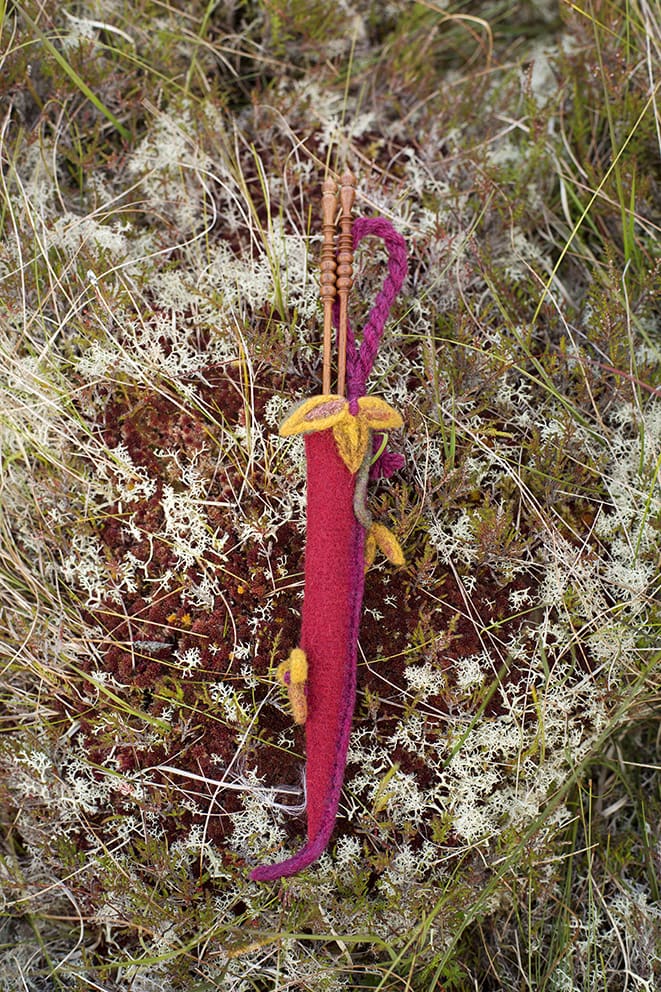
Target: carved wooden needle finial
(344, 275)
(328, 266)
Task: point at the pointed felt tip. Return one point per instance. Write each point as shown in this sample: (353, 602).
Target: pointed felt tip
(305, 857)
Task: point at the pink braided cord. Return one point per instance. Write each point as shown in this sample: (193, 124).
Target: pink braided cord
(360, 361)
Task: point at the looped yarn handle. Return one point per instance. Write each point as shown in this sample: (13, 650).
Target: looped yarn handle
(360, 360)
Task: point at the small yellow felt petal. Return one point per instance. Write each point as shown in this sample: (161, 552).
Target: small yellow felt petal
(377, 413)
(298, 666)
(388, 543)
(370, 549)
(314, 414)
(298, 702)
(352, 436)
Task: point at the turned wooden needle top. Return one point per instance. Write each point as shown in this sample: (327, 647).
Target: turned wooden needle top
(328, 264)
(344, 272)
(345, 241)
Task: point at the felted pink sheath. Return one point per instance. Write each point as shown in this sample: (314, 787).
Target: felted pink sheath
(334, 573)
(334, 579)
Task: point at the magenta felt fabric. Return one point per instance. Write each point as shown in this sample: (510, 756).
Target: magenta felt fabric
(334, 579)
(334, 575)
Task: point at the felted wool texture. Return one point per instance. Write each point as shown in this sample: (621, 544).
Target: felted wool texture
(334, 580)
(360, 360)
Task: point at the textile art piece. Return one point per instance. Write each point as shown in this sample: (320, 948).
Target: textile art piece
(346, 437)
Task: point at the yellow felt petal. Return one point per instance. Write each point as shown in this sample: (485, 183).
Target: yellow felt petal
(298, 666)
(314, 414)
(377, 413)
(299, 703)
(388, 543)
(352, 437)
(370, 549)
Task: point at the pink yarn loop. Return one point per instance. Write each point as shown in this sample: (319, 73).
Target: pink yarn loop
(360, 360)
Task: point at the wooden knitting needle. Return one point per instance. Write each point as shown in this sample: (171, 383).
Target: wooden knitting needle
(344, 277)
(328, 267)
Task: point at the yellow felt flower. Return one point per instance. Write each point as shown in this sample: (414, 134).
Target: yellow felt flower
(294, 674)
(351, 430)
